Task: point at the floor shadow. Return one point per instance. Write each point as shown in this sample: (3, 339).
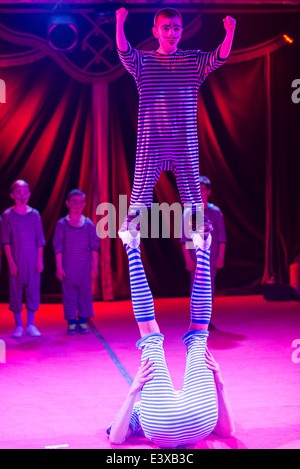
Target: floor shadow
(219, 339)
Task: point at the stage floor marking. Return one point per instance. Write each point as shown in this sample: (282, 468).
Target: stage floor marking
(111, 353)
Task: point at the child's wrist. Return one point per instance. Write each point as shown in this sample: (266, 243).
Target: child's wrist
(218, 379)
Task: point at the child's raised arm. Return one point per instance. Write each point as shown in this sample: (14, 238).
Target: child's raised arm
(121, 15)
(229, 25)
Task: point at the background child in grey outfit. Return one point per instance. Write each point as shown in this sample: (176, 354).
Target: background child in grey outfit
(23, 241)
(76, 247)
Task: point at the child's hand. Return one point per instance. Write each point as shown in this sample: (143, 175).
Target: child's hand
(121, 15)
(13, 269)
(214, 366)
(190, 265)
(229, 24)
(219, 264)
(142, 376)
(60, 274)
(39, 267)
(95, 271)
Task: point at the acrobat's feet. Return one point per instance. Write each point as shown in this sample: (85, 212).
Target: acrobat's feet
(200, 231)
(132, 222)
(199, 223)
(131, 238)
(199, 242)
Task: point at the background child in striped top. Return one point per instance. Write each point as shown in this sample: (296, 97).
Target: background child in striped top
(23, 241)
(76, 247)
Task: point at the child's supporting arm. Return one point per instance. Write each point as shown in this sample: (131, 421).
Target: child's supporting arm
(120, 429)
(121, 15)
(229, 25)
(225, 427)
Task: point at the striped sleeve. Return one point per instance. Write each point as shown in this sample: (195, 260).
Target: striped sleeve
(135, 419)
(208, 62)
(40, 238)
(94, 238)
(58, 238)
(6, 229)
(132, 61)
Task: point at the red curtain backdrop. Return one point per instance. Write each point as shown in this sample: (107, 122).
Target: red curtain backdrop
(59, 133)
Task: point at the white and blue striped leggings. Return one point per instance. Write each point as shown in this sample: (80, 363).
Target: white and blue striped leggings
(176, 418)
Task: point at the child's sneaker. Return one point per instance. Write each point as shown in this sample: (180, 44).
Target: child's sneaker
(32, 331)
(130, 238)
(72, 328)
(18, 332)
(83, 327)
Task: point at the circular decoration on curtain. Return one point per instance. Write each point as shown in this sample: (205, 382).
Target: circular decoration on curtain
(62, 36)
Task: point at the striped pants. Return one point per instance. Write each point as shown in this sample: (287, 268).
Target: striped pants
(175, 418)
(147, 172)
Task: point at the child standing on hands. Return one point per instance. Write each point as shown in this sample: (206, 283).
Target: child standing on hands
(76, 247)
(23, 241)
(168, 80)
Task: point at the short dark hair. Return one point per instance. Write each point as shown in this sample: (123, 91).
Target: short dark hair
(75, 192)
(17, 183)
(206, 181)
(167, 13)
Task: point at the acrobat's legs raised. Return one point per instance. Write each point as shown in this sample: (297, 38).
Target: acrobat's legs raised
(142, 299)
(201, 300)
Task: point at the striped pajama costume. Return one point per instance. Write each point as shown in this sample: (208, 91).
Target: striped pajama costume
(174, 418)
(24, 234)
(167, 121)
(76, 246)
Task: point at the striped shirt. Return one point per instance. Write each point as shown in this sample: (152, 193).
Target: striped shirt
(24, 233)
(76, 246)
(168, 87)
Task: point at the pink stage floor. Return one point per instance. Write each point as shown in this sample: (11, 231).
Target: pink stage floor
(62, 390)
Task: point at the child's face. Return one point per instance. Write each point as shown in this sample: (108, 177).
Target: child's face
(76, 204)
(168, 32)
(20, 194)
(205, 192)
